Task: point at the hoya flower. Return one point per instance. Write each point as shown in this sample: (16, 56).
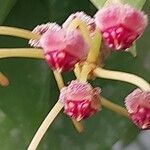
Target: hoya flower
(80, 100)
(120, 25)
(138, 106)
(89, 21)
(63, 49)
(41, 29)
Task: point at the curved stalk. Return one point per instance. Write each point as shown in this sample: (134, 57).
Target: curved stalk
(18, 32)
(122, 76)
(51, 116)
(114, 107)
(44, 126)
(21, 52)
(3, 80)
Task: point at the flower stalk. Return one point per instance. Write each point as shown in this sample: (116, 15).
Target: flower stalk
(122, 76)
(17, 32)
(45, 125)
(114, 107)
(21, 52)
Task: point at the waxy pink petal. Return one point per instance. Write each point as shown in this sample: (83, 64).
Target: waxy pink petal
(63, 49)
(138, 106)
(40, 30)
(120, 25)
(80, 100)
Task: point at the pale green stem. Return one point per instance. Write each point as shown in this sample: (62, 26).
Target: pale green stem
(92, 57)
(114, 107)
(122, 76)
(17, 32)
(21, 52)
(95, 47)
(45, 125)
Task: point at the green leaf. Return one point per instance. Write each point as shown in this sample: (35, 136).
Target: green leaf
(135, 3)
(98, 3)
(5, 8)
(133, 50)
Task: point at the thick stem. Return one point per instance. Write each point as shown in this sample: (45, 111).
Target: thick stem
(3, 80)
(86, 69)
(21, 52)
(44, 126)
(17, 32)
(77, 70)
(95, 47)
(122, 76)
(92, 57)
(114, 107)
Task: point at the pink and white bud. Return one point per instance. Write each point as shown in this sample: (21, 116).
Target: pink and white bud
(63, 49)
(120, 25)
(80, 100)
(138, 106)
(40, 30)
(89, 21)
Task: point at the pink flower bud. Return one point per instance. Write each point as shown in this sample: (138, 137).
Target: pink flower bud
(80, 100)
(120, 25)
(138, 106)
(63, 49)
(41, 29)
(89, 21)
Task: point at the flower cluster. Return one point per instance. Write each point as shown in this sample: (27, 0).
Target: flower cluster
(120, 26)
(77, 45)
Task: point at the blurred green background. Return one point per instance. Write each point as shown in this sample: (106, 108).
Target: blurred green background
(33, 92)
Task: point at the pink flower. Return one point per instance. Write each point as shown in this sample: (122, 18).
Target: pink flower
(89, 21)
(120, 25)
(63, 49)
(41, 29)
(80, 100)
(138, 106)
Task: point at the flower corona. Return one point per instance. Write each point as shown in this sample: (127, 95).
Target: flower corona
(120, 25)
(80, 100)
(138, 106)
